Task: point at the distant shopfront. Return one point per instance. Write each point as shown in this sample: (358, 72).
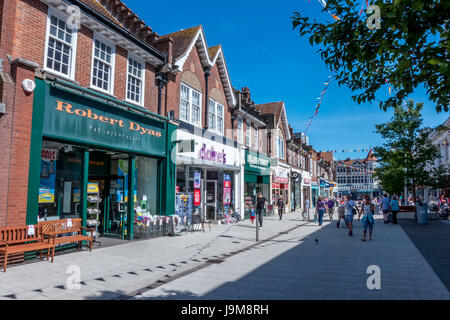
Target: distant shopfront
(315, 192)
(281, 186)
(296, 190)
(256, 178)
(106, 163)
(208, 174)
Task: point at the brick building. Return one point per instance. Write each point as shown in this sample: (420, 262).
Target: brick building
(91, 108)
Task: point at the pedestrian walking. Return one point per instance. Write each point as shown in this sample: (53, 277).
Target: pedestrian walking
(280, 204)
(331, 205)
(367, 210)
(395, 208)
(350, 211)
(320, 209)
(341, 215)
(260, 205)
(385, 207)
(252, 214)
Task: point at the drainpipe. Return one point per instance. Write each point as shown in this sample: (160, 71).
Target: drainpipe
(161, 80)
(207, 74)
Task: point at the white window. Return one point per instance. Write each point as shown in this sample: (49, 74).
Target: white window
(216, 116)
(212, 116)
(103, 65)
(220, 118)
(248, 136)
(280, 148)
(135, 81)
(255, 137)
(60, 51)
(240, 129)
(190, 105)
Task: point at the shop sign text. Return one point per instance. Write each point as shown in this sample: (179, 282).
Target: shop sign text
(212, 155)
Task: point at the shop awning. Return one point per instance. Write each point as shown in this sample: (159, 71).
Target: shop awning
(250, 177)
(181, 160)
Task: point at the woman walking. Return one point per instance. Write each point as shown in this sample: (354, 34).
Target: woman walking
(395, 208)
(368, 211)
(320, 208)
(280, 204)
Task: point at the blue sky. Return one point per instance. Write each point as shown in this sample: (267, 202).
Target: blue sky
(264, 53)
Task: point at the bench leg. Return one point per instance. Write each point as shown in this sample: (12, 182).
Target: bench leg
(48, 253)
(5, 262)
(90, 248)
(79, 245)
(40, 254)
(53, 254)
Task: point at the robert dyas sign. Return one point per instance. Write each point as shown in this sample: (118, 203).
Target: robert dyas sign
(104, 125)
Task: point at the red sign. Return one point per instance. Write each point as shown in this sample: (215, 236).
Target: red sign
(49, 154)
(227, 184)
(275, 186)
(197, 197)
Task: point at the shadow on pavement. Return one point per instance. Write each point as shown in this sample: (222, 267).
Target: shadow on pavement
(332, 268)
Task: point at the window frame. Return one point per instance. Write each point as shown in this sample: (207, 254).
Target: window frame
(142, 62)
(240, 129)
(190, 104)
(102, 39)
(280, 145)
(255, 137)
(72, 64)
(216, 117)
(248, 134)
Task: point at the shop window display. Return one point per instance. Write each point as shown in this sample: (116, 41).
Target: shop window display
(60, 180)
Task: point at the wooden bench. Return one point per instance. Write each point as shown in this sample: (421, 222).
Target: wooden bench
(67, 234)
(15, 240)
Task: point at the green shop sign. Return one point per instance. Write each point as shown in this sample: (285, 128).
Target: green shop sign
(76, 118)
(257, 163)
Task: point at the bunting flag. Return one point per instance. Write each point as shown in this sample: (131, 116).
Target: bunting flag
(316, 109)
(324, 5)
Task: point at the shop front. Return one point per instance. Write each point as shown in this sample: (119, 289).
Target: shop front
(98, 159)
(322, 187)
(296, 190)
(256, 179)
(281, 187)
(208, 175)
(314, 193)
(307, 191)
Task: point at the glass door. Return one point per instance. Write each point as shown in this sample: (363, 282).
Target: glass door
(211, 200)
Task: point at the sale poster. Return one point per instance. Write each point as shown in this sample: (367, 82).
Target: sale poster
(197, 180)
(226, 196)
(197, 197)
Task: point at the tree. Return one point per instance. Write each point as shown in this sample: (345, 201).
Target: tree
(407, 153)
(410, 49)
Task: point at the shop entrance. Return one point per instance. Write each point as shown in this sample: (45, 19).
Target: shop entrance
(211, 199)
(107, 182)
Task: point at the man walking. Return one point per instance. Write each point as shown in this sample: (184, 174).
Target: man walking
(330, 205)
(260, 205)
(385, 206)
(280, 204)
(350, 210)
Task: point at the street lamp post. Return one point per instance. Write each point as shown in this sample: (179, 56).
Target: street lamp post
(405, 202)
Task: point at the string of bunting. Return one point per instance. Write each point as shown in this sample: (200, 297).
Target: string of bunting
(316, 109)
(365, 4)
